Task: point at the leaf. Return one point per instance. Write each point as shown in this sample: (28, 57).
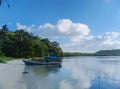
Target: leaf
(8, 5)
(0, 2)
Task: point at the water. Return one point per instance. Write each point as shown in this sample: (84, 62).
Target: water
(75, 73)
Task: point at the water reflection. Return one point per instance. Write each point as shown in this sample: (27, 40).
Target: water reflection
(41, 77)
(75, 73)
(104, 83)
(92, 73)
(39, 70)
(11, 75)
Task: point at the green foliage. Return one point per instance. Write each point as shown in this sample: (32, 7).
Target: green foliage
(1, 53)
(114, 52)
(21, 44)
(4, 59)
(77, 54)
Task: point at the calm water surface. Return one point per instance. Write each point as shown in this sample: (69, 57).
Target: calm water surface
(75, 73)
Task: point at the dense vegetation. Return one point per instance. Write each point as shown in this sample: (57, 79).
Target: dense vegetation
(21, 44)
(114, 52)
(77, 54)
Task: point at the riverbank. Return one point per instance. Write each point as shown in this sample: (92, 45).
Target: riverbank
(4, 59)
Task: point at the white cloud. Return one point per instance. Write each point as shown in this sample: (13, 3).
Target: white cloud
(25, 27)
(94, 43)
(64, 84)
(47, 26)
(67, 27)
(64, 28)
(31, 27)
(74, 36)
(20, 26)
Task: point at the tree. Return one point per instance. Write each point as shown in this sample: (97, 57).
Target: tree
(0, 2)
(3, 31)
(6, 3)
(19, 35)
(1, 53)
(21, 44)
(56, 48)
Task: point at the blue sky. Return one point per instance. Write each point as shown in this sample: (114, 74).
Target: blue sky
(78, 25)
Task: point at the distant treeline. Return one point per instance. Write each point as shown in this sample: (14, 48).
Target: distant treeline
(21, 44)
(77, 54)
(114, 52)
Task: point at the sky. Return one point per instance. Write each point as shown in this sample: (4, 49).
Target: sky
(78, 25)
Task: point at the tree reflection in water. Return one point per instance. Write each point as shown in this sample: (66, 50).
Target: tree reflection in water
(41, 77)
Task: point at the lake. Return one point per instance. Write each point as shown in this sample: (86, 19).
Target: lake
(75, 73)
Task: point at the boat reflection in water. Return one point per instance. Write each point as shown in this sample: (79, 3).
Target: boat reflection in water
(75, 73)
(41, 77)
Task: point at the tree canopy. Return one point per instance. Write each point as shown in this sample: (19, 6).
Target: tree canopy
(21, 44)
(113, 52)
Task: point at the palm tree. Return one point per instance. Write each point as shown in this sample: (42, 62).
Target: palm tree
(6, 3)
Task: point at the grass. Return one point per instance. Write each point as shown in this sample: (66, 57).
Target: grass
(5, 59)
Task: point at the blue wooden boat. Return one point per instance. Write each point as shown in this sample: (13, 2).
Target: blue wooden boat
(33, 62)
(47, 60)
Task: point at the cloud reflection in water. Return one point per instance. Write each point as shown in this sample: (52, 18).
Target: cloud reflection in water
(77, 73)
(86, 70)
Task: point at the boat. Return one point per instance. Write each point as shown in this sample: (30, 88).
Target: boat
(48, 60)
(33, 62)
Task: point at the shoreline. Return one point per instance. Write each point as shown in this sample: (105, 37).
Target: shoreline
(4, 59)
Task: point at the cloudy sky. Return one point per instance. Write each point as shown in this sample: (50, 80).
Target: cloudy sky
(78, 25)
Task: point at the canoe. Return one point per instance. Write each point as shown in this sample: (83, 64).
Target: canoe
(32, 62)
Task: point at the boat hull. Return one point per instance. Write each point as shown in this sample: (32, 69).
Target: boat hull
(30, 62)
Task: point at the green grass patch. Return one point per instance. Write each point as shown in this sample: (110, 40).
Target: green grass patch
(5, 59)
